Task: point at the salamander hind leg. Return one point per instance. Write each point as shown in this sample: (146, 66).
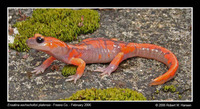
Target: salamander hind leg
(106, 71)
(112, 66)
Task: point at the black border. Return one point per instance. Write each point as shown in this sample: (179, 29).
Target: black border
(100, 3)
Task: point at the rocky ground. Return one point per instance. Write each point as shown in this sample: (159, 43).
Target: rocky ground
(169, 28)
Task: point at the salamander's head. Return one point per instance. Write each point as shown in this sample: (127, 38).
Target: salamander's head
(42, 43)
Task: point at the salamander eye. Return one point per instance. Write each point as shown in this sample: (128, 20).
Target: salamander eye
(39, 40)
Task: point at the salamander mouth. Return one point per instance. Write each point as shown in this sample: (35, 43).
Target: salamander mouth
(32, 44)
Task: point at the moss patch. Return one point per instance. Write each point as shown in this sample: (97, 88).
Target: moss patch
(170, 88)
(64, 24)
(69, 70)
(106, 94)
(19, 43)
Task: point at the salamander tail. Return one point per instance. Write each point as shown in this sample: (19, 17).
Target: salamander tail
(166, 76)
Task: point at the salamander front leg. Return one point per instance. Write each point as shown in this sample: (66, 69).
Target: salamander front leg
(80, 70)
(45, 64)
(112, 66)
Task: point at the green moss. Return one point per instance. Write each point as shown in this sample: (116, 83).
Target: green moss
(167, 89)
(157, 91)
(69, 70)
(64, 24)
(19, 43)
(106, 94)
(170, 88)
(179, 96)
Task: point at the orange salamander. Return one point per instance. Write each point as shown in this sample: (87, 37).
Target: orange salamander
(101, 50)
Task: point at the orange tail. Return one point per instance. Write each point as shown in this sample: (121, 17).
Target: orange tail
(161, 54)
(168, 75)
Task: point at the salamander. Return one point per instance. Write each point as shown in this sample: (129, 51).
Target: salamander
(101, 50)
